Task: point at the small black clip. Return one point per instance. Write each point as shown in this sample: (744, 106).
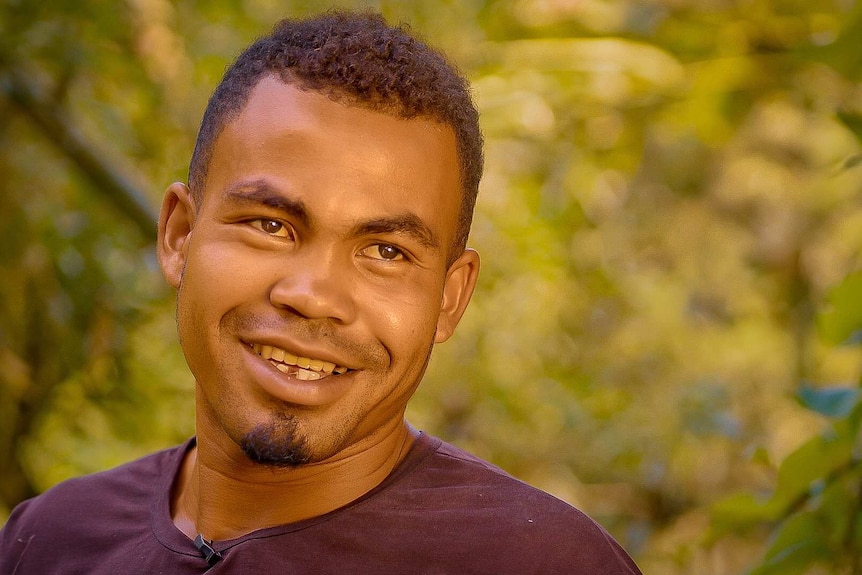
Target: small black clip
(205, 547)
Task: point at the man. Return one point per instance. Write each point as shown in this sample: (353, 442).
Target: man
(319, 254)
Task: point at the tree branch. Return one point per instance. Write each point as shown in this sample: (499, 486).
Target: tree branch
(108, 181)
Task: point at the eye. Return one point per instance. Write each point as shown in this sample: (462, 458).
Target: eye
(271, 227)
(385, 252)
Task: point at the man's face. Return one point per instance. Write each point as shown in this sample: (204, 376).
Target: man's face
(312, 277)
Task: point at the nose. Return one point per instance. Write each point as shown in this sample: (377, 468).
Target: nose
(315, 284)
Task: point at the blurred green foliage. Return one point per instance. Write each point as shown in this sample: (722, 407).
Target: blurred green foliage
(667, 326)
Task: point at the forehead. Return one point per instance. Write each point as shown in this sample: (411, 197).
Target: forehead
(307, 144)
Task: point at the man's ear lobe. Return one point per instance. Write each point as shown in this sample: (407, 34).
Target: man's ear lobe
(460, 282)
(176, 221)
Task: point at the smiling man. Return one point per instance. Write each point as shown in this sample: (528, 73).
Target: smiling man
(319, 252)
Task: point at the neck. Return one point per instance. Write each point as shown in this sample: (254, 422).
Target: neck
(223, 496)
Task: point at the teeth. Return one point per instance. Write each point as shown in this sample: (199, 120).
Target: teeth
(311, 369)
(306, 375)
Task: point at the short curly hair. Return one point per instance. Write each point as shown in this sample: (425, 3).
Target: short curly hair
(359, 60)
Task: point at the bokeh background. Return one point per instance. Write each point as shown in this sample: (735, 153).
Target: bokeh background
(666, 327)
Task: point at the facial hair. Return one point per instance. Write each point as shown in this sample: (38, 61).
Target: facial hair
(276, 443)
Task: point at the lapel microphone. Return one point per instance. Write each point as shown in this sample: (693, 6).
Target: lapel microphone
(207, 552)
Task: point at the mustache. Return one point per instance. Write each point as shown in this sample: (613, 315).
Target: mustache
(311, 330)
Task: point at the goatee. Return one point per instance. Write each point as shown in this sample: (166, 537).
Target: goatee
(276, 444)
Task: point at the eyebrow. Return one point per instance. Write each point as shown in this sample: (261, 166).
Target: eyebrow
(408, 224)
(260, 192)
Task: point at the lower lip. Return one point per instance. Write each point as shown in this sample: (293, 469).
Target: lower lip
(289, 389)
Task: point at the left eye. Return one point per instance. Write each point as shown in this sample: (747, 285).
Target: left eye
(384, 252)
(271, 227)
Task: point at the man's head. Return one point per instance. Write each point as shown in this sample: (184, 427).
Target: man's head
(319, 252)
(356, 59)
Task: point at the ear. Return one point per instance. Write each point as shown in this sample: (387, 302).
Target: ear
(460, 282)
(176, 221)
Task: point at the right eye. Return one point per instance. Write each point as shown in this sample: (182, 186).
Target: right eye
(383, 252)
(271, 227)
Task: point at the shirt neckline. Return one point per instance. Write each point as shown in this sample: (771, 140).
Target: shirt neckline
(175, 540)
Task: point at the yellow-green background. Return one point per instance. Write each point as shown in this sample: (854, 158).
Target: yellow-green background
(670, 223)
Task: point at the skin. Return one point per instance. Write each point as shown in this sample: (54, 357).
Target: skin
(292, 247)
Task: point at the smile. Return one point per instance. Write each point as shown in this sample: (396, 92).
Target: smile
(303, 368)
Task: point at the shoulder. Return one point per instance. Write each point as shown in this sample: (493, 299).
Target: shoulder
(464, 474)
(486, 510)
(127, 482)
(84, 510)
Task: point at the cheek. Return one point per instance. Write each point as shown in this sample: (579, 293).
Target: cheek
(405, 319)
(221, 276)
(212, 284)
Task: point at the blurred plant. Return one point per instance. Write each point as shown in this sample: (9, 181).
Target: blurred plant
(77, 272)
(815, 509)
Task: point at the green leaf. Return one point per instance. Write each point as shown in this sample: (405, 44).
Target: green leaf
(841, 321)
(799, 542)
(830, 401)
(803, 469)
(738, 512)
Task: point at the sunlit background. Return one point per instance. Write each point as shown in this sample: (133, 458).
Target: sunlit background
(665, 331)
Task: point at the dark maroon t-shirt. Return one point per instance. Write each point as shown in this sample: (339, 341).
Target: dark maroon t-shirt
(440, 511)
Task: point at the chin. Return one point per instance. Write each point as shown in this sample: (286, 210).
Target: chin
(278, 443)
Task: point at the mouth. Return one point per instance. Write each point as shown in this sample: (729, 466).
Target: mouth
(302, 368)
